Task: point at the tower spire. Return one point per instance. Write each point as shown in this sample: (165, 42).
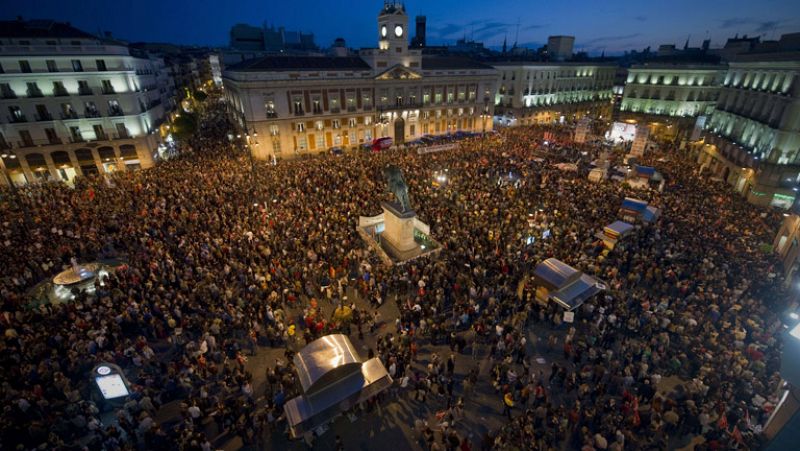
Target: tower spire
(505, 39)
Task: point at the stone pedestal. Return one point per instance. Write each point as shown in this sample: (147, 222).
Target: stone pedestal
(398, 230)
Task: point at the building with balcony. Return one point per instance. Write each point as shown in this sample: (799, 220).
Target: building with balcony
(539, 92)
(295, 105)
(670, 98)
(73, 104)
(752, 140)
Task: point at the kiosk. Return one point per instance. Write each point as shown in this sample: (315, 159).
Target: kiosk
(333, 378)
(568, 287)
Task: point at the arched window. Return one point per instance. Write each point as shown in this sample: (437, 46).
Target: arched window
(60, 158)
(84, 155)
(106, 154)
(128, 151)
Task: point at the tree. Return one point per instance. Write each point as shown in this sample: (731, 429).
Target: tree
(200, 96)
(184, 126)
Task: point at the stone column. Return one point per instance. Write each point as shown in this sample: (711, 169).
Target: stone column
(51, 166)
(121, 166)
(23, 163)
(97, 160)
(75, 164)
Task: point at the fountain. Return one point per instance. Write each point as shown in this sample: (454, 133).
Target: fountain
(76, 274)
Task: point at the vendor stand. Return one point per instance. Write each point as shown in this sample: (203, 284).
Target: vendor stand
(568, 287)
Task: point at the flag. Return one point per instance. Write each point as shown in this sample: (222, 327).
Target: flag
(722, 423)
(737, 435)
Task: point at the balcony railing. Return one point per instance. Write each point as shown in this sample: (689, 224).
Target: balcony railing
(26, 143)
(76, 139)
(272, 115)
(102, 136)
(17, 119)
(34, 93)
(60, 92)
(90, 113)
(54, 140)
(44, 117)
(108, 91)
(123, 135)
(85, 91)
(299, 112)
(115, 112)
(336, 110)
(9, 95)
(70, 115)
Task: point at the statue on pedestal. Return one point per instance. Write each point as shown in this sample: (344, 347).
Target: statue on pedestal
(397, 185)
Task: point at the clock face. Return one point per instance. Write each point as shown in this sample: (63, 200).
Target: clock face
(383, 31)
(398, 31)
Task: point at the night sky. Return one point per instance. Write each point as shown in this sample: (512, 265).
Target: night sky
(610, 25)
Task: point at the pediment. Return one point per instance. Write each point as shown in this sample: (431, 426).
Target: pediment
(398, 72)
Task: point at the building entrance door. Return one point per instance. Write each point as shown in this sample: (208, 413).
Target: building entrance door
(399, 130)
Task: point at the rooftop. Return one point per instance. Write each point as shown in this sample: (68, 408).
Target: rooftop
(40, 29)
(301, 63)
(451, 62)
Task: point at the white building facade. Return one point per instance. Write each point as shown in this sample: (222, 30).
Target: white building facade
(75, 105)
(672, 90)
(536, 93)
(753, 138)
(296, 105)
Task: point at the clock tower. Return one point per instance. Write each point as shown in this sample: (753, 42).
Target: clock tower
(393, 28)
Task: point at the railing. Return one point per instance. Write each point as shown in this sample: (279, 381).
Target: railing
(54, 140)
(335, 110)
(35, 93)
(115, 112)
(85, 91)
(108, 91)
(77, 139)
(90, 114)
(124, 135)
(44, 117)
(26, 143)
(70, 115)
(17, 119)
(9, 95)
(272, 115)
(61, 92)
(100, 136)
(351, 109)
(299, 112)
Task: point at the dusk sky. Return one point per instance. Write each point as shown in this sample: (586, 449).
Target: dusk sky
(610, 25)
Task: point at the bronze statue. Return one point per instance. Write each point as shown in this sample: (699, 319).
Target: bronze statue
(397, 185)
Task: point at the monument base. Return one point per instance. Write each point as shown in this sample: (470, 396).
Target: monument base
(398, 229)
(397, 236)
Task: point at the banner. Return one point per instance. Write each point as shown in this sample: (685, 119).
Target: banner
(436, 148)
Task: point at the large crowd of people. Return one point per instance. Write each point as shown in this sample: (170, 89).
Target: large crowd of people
(224, 257)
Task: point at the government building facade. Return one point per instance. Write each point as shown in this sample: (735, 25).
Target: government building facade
(298, 105)
(73, 104)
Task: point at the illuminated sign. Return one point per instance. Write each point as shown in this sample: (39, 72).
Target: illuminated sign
(112, 386)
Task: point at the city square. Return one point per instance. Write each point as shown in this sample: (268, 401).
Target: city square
(398, 247)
